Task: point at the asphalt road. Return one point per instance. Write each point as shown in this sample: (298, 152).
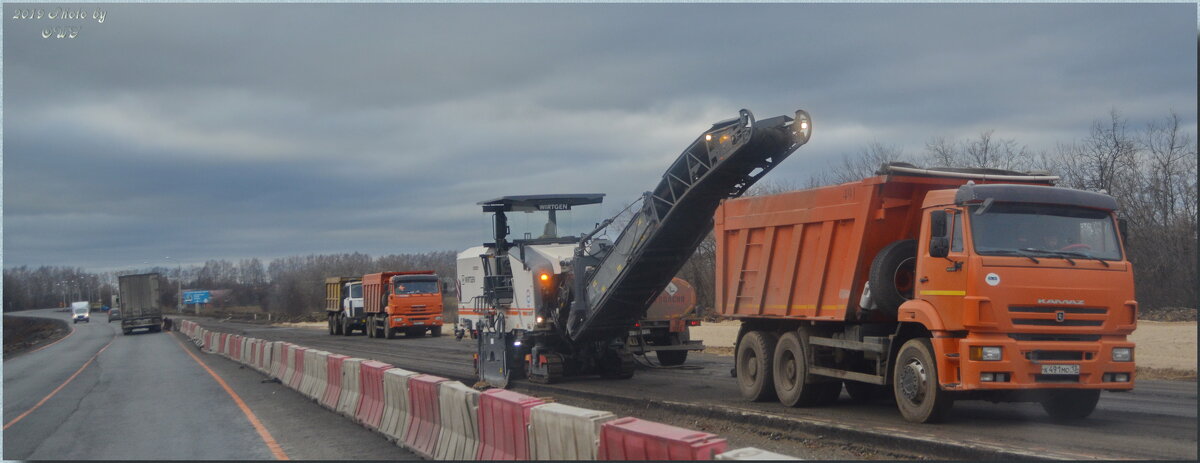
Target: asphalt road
(144, 397)
(1157, 420)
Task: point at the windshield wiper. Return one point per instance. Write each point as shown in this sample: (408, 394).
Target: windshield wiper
(1085, 256)
(1059, 254)
(1012, 252)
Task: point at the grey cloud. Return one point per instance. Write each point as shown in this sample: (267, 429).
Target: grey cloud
(224, 131)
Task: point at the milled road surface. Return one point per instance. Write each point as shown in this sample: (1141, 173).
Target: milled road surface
(144, 397)
(1157, 420)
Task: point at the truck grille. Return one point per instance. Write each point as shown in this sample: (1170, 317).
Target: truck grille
(1039, 355)
(1045, 322)
(1046, 316)
(1067, 310)
(1055, 337)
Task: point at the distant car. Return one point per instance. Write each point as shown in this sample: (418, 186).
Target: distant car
(114, 314)
(81, 314)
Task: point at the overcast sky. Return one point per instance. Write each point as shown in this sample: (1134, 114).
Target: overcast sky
(235, 131)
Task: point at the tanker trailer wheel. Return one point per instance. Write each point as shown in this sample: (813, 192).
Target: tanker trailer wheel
(915, 384)
(670, 358)
(791, 376)
(893, 275)
(754, 363)
(1069, 405)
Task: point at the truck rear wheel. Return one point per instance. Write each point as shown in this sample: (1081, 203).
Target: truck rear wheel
(754, 363)
(671, 358)
(791, 376)
(370, 326)
(893, 275)
(332, 322)
(915, 384)
(1071, 404)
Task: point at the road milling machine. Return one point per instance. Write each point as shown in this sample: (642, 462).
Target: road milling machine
(553, 306)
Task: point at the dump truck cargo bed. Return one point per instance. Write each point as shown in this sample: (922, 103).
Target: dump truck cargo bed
(806, 254)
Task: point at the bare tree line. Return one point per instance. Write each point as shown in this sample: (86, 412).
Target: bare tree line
(1150, 169)
(290, 285)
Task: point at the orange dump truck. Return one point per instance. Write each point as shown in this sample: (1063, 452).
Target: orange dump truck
(402, 301)
(936, 285)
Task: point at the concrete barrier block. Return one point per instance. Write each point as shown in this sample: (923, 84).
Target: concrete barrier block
(563, 432)
(396, 416)
(460, 421)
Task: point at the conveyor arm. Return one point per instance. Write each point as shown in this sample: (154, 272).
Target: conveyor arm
(675, 217)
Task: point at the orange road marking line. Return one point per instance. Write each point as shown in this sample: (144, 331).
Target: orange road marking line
(59, 388)
(258, 426)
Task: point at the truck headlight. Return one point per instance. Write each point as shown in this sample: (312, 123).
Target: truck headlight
(1122, 354)
(987, 354)
(540, 320)
(398, 319)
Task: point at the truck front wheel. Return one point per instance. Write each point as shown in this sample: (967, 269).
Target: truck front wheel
(754, 363)
(915, 383)
(435, 331)
(345, 326)
(1068, 405)
(671, 358)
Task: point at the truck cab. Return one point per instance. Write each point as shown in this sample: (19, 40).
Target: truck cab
(343, 305)
(1031, 286)
(403, 301)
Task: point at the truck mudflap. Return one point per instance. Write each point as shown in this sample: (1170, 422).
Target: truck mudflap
(492, 363)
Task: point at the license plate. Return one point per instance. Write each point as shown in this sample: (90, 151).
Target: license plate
(1060, 369)
(422, 323)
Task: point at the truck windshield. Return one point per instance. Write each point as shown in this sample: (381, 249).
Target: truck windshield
(1044, 230)
(356, 291)
(80, 311)
(415, 287)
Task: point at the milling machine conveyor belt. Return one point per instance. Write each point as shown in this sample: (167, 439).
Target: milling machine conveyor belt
(675, 217)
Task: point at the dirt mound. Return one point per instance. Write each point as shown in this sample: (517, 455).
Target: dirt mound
(22, 334)
(1169, 314)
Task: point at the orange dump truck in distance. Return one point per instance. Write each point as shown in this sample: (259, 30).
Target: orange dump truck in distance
(402, 301)
(934, 286)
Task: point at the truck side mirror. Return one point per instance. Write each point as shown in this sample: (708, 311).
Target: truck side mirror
(939, 243)
(1123, 227)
